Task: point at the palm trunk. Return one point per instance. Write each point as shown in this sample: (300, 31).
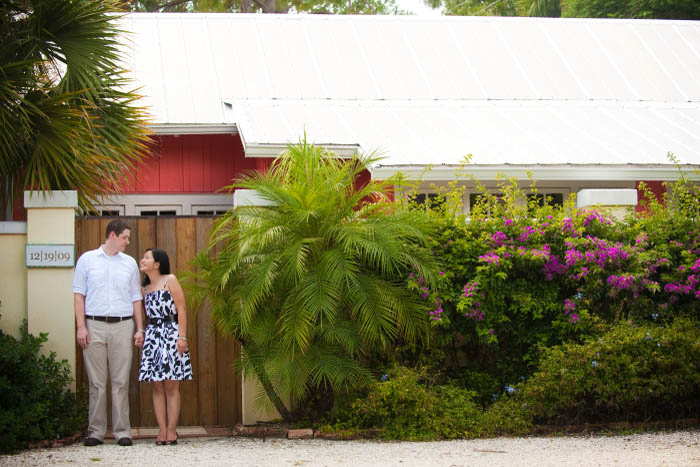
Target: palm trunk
(272, 395)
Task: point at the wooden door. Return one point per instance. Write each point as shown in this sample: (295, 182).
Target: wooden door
(213, 398)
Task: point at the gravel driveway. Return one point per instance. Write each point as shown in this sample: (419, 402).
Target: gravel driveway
(680, 448)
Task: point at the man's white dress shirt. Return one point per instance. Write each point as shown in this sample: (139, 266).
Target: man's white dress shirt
(110, 284)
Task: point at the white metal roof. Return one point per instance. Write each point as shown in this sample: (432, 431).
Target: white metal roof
(429, 90)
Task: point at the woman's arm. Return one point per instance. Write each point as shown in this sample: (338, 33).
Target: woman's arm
(179, 299)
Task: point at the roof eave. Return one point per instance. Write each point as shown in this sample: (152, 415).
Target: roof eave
(194, 128)
(275, 149)
(577, 172)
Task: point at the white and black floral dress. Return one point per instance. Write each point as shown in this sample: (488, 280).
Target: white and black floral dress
(159, 358)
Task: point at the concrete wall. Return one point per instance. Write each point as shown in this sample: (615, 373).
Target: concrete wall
(13, 285)
(250, 413)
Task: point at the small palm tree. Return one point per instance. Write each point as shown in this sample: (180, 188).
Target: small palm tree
(313, 284)
(67, 121)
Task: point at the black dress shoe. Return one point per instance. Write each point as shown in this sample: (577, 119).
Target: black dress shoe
(125, 442)
(92, 442)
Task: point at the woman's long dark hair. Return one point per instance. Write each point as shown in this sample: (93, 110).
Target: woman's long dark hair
(159, 256)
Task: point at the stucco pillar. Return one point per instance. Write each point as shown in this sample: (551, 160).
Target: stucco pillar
(13, 277)
(51, 227)
(619, 201)
(250, 385)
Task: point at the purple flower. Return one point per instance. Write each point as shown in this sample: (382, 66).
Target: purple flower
(573, 256)
(573, 318)
(526, 232)
(498, 238)
(553, 267)
(567, 226)
(470, 289)
(569, 306)
(621, 282)
(695, 267)
(490, 257)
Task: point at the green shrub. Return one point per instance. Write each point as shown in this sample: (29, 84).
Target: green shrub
(35, 404)
(629, 374)
(406, 407)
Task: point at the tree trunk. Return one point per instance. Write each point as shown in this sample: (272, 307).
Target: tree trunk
(272, 395)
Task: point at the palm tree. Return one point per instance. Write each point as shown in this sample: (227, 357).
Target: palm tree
(313, 284)
(67, 120)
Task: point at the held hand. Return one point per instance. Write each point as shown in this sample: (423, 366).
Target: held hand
(181, 346)
(82, 337)
(138, 339)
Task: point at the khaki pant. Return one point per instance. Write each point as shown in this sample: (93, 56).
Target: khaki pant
(109, 355)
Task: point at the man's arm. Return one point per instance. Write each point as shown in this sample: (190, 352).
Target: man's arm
(81, 332)
(138, 319)
(137, 302)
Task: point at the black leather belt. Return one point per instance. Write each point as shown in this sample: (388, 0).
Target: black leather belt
(163, 320)
(109, 319)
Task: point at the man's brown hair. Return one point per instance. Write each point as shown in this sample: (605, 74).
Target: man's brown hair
(117, 226)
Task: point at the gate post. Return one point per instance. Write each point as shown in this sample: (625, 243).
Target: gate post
(50, 259)
(250, 385)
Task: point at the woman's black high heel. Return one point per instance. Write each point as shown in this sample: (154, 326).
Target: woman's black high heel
(172, 442)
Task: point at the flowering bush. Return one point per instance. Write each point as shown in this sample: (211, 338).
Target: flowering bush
(520, 278)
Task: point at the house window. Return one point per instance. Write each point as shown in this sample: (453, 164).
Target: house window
(476, 198)
(158, 210)
(210, 213)
(108, 210)
(552, 199)
(210, 210)
(430, 200)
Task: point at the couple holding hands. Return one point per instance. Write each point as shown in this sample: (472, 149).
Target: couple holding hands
(108, 299)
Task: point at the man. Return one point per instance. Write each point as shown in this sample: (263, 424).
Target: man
(107, 301)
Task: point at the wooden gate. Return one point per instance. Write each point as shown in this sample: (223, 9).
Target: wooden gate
(213, 398)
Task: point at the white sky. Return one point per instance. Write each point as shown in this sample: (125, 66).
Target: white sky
(418, 7)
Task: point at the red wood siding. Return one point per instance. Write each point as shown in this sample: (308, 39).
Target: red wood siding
(18, 211)
(656, 187)
(193, 164)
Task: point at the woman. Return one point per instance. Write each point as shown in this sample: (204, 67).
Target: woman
(165, 360)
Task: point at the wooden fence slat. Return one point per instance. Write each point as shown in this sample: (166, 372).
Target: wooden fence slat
(206, 342)
(228, 401)
(132, 249)
(166, 239)
(146, 238)
(89, 238)
(185, 237)
(226, 381)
